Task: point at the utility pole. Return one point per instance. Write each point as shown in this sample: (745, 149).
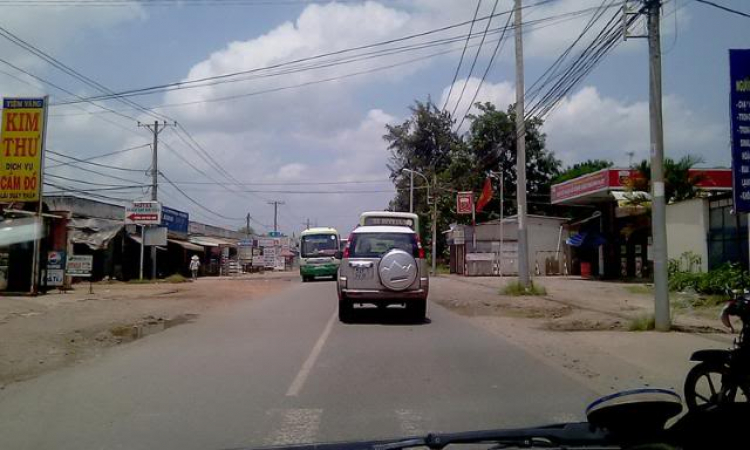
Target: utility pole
(307, 224)
(155, 130)
(275, 204)
(411, 191)
(658, 208)
(247, 225)
(523, 245)
(434, 224)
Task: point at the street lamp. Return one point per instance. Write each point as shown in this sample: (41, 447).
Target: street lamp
(411, 187)
(434, 210)
(499, 176)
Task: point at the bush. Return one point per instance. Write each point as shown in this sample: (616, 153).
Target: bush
(176, 278)
(515, 289)
(714, 282)
(642, 323)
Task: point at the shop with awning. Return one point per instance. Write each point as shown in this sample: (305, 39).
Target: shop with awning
(613, 239)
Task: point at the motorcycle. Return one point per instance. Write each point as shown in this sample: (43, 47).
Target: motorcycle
(631, 420)
(723, 376)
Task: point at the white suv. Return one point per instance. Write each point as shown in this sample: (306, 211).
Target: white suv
(383, 265)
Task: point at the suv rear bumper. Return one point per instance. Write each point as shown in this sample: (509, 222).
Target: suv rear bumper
(377, 295)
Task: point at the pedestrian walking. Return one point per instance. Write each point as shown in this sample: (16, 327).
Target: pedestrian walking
(194, 265)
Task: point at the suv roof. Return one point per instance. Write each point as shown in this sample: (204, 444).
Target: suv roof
(383, 229)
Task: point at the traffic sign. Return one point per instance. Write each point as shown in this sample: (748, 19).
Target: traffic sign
(143, 213)
(465, 203)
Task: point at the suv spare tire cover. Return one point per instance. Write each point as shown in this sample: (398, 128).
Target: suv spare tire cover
(398, 270)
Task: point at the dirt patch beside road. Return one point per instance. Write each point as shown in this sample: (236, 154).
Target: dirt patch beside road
(581, 327)
(39, 334)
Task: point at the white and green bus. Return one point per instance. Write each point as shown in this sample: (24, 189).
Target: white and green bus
(389, 218)
(318, 251)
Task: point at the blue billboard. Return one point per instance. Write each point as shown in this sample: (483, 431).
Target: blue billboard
(739, 100)
(175, 221)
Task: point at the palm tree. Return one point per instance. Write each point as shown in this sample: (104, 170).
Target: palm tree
(679, 183)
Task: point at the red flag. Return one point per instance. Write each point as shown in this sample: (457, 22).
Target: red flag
(486, 195)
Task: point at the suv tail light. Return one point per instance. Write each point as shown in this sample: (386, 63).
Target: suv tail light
(348, 243)
(420, 249)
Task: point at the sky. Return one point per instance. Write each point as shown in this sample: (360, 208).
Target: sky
(278, 137)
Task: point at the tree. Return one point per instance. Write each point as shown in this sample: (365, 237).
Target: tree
(424, 142)
(579, 169)
(679, 183)
(491, 143)
(246, 230)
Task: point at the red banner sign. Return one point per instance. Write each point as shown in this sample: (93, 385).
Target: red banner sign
(465, 203)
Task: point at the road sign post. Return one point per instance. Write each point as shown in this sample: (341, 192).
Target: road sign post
(143, 214)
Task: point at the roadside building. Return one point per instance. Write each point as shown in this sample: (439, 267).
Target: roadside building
(491, 248)
(611, 238)
(221, 247)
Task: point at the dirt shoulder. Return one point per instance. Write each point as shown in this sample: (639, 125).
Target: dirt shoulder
(40, 334)
(581, 327)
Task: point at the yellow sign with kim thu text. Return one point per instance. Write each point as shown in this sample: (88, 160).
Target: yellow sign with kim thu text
(21, 148)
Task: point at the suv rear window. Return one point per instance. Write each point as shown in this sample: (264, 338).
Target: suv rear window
(375, 245)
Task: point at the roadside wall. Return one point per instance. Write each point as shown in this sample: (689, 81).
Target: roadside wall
(687, 229)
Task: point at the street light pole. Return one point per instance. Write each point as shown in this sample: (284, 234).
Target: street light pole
(411, 191)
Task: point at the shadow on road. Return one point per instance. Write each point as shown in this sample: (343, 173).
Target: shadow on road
(386, 316)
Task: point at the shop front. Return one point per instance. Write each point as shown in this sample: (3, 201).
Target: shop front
(612, 239)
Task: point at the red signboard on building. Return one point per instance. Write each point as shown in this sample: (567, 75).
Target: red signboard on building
(465, 203)
(619, 180)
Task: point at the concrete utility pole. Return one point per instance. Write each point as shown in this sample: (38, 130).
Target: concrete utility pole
(247, 225)
(434, 224)
(155, 130)
(275, 204)
(658, 205)
(523, 245)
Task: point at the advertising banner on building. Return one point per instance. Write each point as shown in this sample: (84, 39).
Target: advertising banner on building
(175, 221)
(739, 101)
(21, 149)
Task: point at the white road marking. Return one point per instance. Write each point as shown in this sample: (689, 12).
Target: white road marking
(304, 371)
(411, 422)
(298, 426)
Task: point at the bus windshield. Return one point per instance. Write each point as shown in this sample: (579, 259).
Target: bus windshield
(319, 245)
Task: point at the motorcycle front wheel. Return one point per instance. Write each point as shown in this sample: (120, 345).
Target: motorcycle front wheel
(704, 387)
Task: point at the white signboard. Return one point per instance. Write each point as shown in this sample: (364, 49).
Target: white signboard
(80, 265)
(143, 213)
(155, 236)
(55, 277)
(266, 242)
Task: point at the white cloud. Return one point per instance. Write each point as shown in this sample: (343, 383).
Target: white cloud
(500, 94)
(589, 125)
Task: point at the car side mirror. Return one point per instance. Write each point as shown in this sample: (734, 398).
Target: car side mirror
(339, 255)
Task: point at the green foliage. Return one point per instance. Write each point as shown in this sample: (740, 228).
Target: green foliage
(579, 169)
(679, 183)
(714, 282)
(645, 322)
(639, 289)
(515, 289)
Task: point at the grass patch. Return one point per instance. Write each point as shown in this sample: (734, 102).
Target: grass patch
(143, 281)
(515, 289)
(176, 278)
(643, 323)
(640, 289)
(442, 269)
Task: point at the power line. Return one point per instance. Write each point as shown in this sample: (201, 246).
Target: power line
(91, 183)
(117, 152)
(463, 52)
(724, 8)
(183, 84)
(195, 202)
(68, 70)
(291, 183)
(474, 61)
(101, 174)
(165, 3)
(486, 71)
(83, 161)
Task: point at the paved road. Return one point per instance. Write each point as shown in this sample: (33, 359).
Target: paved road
(282, 369)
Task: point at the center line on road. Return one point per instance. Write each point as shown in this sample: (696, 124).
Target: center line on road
(299, 380)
